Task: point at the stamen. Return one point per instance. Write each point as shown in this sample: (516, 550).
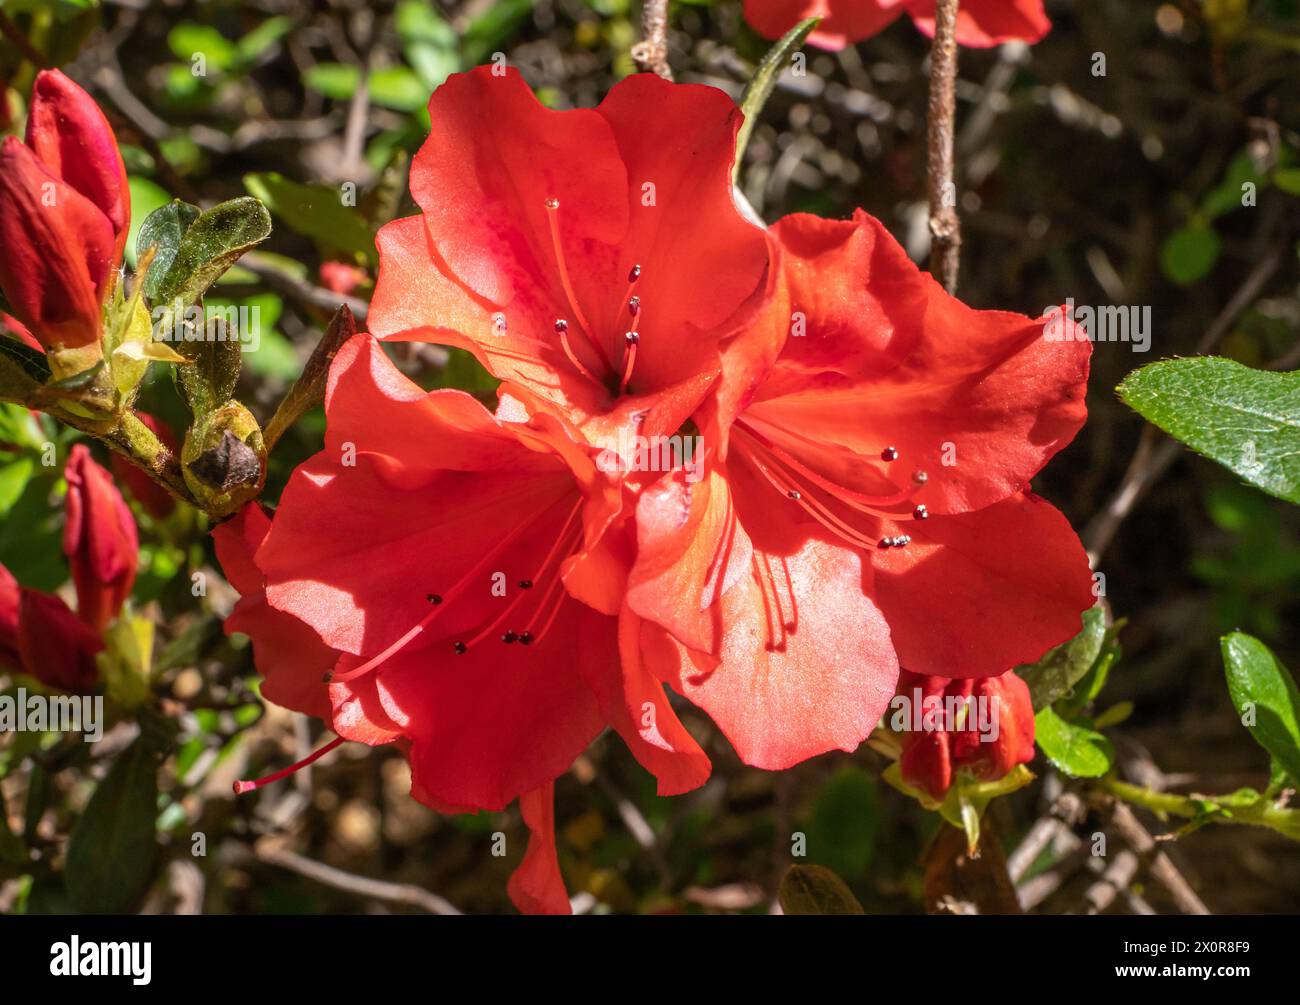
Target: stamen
(816, 510)
(344, 676)
(241, 787)
(767, 610)
(560, 540)
(632, 340)
(889, 454)
(553, 219)
(776, 600)
(921, 513)
(562, 329)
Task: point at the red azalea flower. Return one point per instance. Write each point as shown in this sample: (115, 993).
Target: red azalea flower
(870, 507)
(99, 539)
(980, 23)
(460, 579)
(64, 214)
(594, 257)
(989, 743)
(54, 645)
(156, 500)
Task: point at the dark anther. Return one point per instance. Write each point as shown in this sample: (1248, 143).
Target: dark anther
(433, 598)
(460, 648)
(794, 494)
(920, 477)
(509, 637)
(921, 513)
(886, 542)
(889, 454)
(634, 274)
(634, 306)
(525, 638)
(525, 584)
(632, 338)
(561, 326)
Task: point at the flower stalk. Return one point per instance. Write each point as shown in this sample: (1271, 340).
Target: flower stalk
(945, 225)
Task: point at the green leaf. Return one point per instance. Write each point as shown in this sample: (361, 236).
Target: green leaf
(812, 889)
(146, 197)
(13, 481)
(1288, 180)
(1076, 750)
(1247, 420)
(1265, 695)
(1189, 254)
(261, 38)
(112, 846)
(334, 80)
(489, 32)
(759, 89)
(398, 88)
(316, 211)
(162, 230)
(841, 832)
(209, 245)
(1054, 675)
(188, 39)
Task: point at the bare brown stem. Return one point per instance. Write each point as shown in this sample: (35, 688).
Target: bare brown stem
(651, 53)
(945, 226)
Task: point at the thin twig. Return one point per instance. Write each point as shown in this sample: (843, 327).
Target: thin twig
(300, 290)
(651, 54)
(1162, 867)
(375, 889)
(945, 226)
(1154, 454)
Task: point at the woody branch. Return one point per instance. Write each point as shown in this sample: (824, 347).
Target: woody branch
(651, 53)
(945, 226)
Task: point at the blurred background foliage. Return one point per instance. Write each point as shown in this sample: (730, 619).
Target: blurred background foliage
(1117, 188)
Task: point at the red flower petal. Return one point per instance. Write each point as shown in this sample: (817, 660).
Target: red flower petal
(290, 656)
(975, 594)
(979, 400)
(983, 23)
(9, 593)
(797, 658)
(844, 21)
(537, 887)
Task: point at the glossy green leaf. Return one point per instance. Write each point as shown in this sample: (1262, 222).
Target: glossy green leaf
(1265, 695)
(841, 831)
(813, 889)
(112, 847)
(1076, 750)
(146, 197)
(1247, 420)
(1054, 675)
(162, 230)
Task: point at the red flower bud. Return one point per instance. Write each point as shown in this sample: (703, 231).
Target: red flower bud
(70, 135)
(156, 500)
(56, 648)
(8, 619)
(984, 725)
(65, 210)
(99, 539)
(58, 251)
